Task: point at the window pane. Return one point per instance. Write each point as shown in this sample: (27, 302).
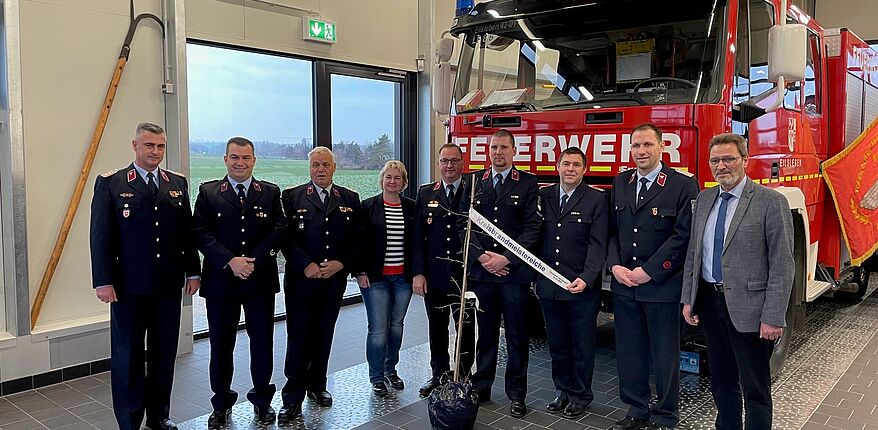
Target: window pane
(364, 130)
(364, 134)
(265, 98)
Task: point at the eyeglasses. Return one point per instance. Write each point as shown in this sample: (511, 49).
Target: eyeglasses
(449, 161)
(728, 161)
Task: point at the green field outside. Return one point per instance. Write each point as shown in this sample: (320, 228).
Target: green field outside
(284, 173)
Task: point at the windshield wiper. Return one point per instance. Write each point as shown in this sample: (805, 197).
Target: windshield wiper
(521, 106)
(615, 98)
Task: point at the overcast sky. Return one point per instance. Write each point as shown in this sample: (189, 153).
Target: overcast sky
(265, 97)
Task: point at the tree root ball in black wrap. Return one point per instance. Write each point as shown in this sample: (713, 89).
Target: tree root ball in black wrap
(453, 406)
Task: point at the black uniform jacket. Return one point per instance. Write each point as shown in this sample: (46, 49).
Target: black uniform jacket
(437, 252)
(514, 210)
(374, 248)
(573, 242)
(224, 228)
(653, 235)
(141, 244)
(319, 233)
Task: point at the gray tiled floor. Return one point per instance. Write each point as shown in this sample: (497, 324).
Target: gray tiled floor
(827, 383)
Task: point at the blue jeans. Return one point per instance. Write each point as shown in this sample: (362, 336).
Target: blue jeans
(387, 301)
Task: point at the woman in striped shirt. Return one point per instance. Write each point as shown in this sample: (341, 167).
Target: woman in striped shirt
(385, 278)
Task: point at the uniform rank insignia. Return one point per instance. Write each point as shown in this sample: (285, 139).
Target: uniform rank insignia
(175, 193)
(436, 187)
(164, 175)
(257, 187)
(429, 220)
(337, 194)
(301, 211)
(514, 174)
(654, 211)
(126, 213)
(433, 204)
(131, 175)
(660, 181)
(345, 209)
(126, 195)
(224, 187)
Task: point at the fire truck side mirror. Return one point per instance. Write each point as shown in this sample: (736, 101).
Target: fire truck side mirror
(442, 88)
(787, 52)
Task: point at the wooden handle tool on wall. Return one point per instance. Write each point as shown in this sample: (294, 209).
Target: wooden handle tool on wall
(84, 172)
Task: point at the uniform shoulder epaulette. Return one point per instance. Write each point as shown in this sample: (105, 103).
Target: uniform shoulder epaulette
(110, 173)
(428, 185)
(176, 173)
(294, 187)
(211, 181)
(597, 188)
(685, 172)
(267, 183)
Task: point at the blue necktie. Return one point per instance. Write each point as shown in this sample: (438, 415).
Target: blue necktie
(564, 199)
(498, 181)
(719, 237)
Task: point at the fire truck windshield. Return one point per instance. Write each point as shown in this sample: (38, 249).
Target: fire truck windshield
(597, 54)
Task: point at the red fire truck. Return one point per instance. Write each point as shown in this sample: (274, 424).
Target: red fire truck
(559, 73)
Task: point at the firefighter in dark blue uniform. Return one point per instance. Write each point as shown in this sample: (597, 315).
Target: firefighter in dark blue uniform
(240, 226)
(649, 231)
(507, 197)
(142, 252)
(438, 263)
(574, 243)
(322, 248)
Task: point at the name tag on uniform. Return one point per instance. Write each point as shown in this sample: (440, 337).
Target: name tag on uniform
(175, 193)
(574, 213)
(433, 204)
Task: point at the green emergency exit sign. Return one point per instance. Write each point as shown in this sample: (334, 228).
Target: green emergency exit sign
(318, 30)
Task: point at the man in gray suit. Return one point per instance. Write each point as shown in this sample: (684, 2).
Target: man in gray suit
(737, 280)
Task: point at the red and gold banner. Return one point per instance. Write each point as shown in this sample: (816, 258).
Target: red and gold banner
(852, 176)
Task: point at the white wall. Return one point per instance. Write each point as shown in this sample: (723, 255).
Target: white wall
(861, 16)
(379, 33)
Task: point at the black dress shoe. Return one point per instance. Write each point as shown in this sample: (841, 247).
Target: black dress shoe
(219, 419)
(288, 413)
(264, 415)
(165, 424)
(655, 426)
(573, 410)
(395, 381)
(428, 386)
(379, 389)
(484, 395)
(630, 423)
(557, 405)
(517, 409)
(322, 398)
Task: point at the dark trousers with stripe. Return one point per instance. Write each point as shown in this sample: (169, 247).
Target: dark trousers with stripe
(570, 326)
(223, 316)
(648, 333)
(510, 302)
(312, 311)
(136, 390)
(439, 304)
